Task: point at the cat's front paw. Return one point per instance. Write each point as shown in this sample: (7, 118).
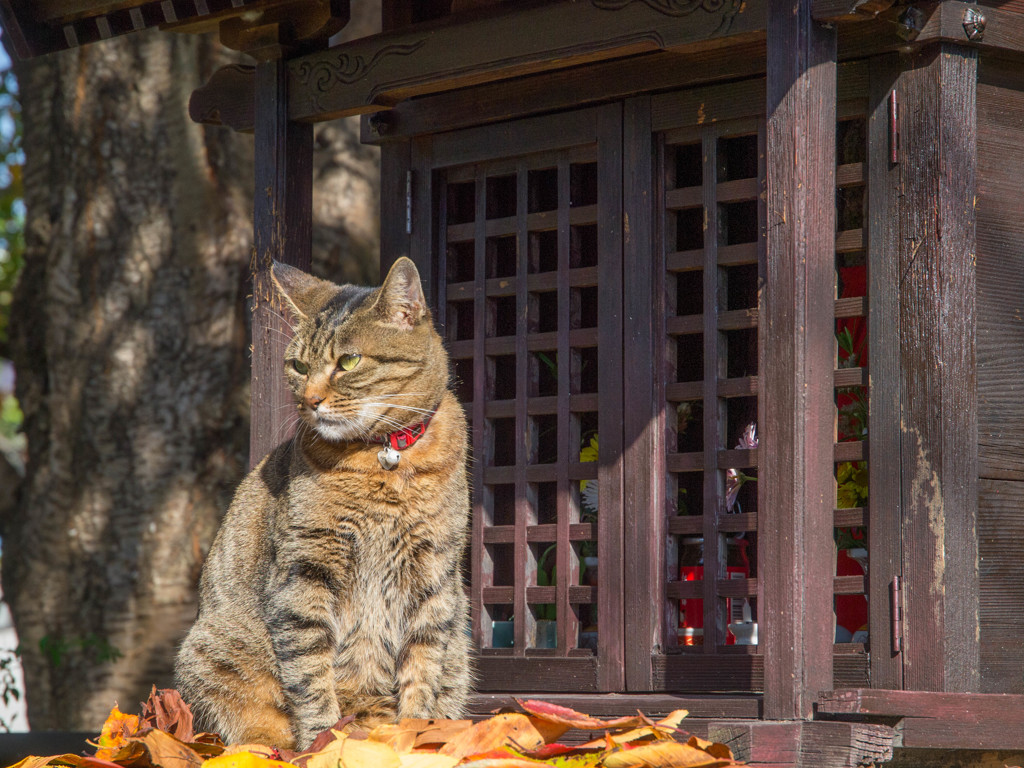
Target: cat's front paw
(417, 702)
(304, 737)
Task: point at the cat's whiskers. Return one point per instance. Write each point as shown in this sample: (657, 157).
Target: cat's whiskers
(286, 424)
(281, 333)
(430, 411)
(281, 317)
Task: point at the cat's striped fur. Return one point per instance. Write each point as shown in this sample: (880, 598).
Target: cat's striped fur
(334, 586)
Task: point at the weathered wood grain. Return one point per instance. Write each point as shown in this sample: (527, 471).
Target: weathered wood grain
(559, 90)
(282, 218)
(644, 475)
(806, 744)
(611, 464)
(938, 389)
(796, 362)
(847, 10)
(1000, 542)
(541, 673)
(884, 339)
(368, 74)
(1000, 270)
(938, 720)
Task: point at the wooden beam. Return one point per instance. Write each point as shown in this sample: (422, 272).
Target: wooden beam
(796, 361)
(939, 413)
(938, 720)
(282, 220)
(545, 92)
(942, 22)
(971, 707)
(845, 10)
(805, 744)
(228, 98)
(378, 72)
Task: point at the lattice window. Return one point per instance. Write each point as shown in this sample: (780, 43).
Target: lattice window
(532, 297)
(713, 241)
(525, 249)
(851, 380)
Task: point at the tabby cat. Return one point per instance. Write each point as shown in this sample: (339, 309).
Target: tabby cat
(334, 584)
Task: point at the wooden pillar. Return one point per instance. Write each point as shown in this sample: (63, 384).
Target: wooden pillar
(282, 217)
(797, 347)
(939, 406)
(884, 482)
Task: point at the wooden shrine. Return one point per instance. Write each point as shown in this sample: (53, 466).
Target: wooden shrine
(734, 296)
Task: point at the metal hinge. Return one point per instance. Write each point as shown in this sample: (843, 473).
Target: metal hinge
(894, 129)
(896, 608)
(408, 202)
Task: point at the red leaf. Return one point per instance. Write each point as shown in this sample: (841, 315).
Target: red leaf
(549, 750)
(167, 711)
(553, 713)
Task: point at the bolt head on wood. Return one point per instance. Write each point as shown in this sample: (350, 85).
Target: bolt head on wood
(974, 24)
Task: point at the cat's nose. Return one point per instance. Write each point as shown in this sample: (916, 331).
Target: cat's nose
(312, 401)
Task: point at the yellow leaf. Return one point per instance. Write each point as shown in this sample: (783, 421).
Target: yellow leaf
(514, 729)
(400, 739)
(712, 748)
(168, 752)
(438, 731)
(674, 718)
(117, 730)
(428, 760)
(346, 752)
(39, 762)
(501, 762)
(664, 754)
(244, 760)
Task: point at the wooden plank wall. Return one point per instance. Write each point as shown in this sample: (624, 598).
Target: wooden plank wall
(1000, 227)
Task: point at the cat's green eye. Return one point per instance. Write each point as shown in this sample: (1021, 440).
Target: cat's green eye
(300, 367)
(348, 362)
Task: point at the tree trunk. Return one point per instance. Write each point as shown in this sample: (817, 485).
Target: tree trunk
(130, 345)
(130, 337)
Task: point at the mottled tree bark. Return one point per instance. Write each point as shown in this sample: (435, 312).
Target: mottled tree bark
(130, 345)
(130, 337)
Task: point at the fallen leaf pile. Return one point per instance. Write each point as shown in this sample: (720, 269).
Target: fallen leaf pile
(163, 737)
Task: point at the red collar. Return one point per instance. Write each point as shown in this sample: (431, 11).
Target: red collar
(403, 438)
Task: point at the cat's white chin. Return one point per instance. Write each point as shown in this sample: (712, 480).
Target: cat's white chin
(337, 431)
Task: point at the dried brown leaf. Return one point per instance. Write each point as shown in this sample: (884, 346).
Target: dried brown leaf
(660, 730)
(570, 718)
(510, 729)
(713, 748)
(165, 751)
(33, 761)
(167, 711)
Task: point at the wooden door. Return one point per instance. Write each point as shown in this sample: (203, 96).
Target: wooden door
(694, 413)
(524, 247)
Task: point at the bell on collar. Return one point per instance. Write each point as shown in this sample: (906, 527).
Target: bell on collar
(388, 457)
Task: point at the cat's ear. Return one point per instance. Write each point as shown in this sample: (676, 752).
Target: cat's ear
(304, 293)
(401, 301)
